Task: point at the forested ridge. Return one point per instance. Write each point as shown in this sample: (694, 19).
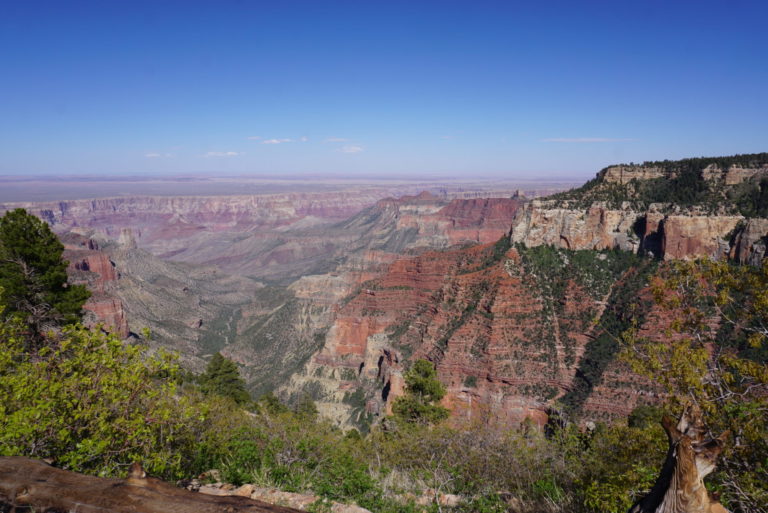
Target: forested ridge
(682, 185)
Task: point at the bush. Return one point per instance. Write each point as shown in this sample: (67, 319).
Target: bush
(89, 402)
(422, 391)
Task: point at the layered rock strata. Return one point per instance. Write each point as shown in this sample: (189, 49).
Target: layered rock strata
(276, 237)
(94, 269)
(505, 347)
(669, 236)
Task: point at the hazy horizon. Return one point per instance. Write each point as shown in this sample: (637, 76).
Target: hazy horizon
(38, 188)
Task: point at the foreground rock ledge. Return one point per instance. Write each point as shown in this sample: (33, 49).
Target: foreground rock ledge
(30, 483)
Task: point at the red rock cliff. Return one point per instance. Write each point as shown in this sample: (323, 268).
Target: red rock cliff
(93, 268)
(500, 344)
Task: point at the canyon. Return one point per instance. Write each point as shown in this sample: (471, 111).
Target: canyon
(518, 302)
(517, 338)
(273, 237)
(271, 321)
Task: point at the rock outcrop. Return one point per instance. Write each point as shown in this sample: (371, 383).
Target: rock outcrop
(90, 266)
(729, 175)
(624, 174)
(597, 227)
(299, 501)
(684, 235)
(750, 241)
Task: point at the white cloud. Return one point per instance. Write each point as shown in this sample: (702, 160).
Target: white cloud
(254, 138)
(304, 138)
(223, 154)
(155, 155)
(276, 141)
(584, 139)
(336, 140)
(350, 149)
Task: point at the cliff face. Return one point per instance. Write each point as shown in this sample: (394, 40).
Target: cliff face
(597, 227)
(685, 235)
(624, 174)
(729, 175)
(508, 337)
(749, 242)
(91, 267)
(479, 220)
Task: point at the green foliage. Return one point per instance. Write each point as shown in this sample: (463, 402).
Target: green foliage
(682, 185)
(422, 391)
(644, 415)
(95, 405)
(715, 355)
(306, 408)
(271, 404)
(754, 202)
(288, 451)
(89, 402)
(621, 463)
(222, 377)
(33, 275)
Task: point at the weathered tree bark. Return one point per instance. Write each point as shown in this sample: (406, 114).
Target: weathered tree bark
(690, 458)
(31, 484)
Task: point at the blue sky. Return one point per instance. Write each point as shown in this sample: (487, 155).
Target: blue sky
(514, 89)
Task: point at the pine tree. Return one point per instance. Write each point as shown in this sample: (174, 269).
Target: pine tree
(423, 391)
(33, 275)
(222, 377)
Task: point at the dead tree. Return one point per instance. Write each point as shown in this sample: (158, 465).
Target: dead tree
(690, 458)
(32, 485)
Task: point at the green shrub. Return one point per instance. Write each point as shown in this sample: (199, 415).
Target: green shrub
(90, 403)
